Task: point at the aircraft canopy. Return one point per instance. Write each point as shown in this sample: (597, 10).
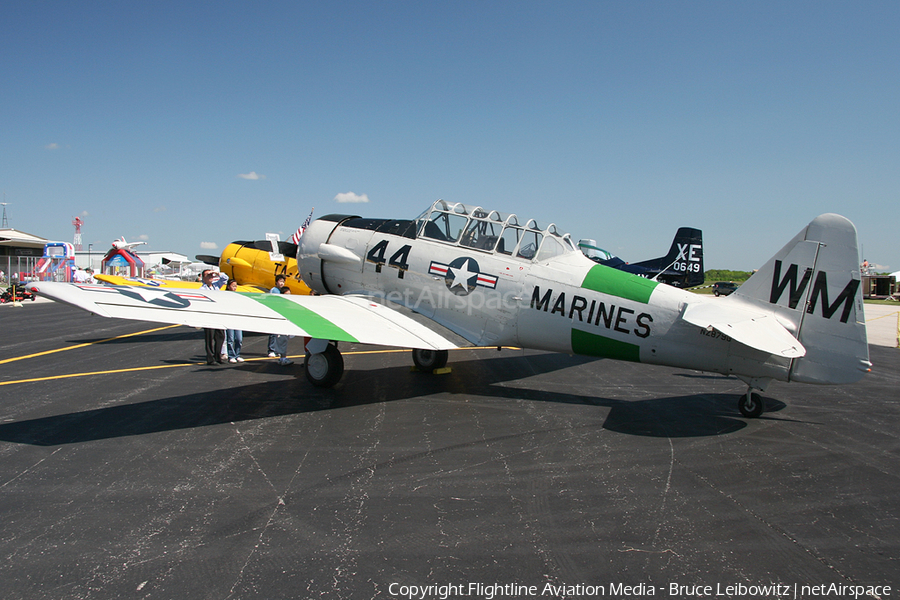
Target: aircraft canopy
(491, 231)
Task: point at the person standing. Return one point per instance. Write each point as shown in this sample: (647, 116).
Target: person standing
(234, 338)
(279, 286)
(213, 338)
(281, 341)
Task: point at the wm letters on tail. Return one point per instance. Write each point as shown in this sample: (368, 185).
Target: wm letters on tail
(813, 285)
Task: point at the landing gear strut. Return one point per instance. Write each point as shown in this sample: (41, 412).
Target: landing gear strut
(751, 404)
(324, 369)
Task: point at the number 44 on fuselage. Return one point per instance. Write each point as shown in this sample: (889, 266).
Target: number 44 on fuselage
(495, 281)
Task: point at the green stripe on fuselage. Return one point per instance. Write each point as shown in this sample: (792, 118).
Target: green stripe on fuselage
(607, 280)
(591, 344)
(314, 324)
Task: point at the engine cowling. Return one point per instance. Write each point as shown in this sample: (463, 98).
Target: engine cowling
(309, 259)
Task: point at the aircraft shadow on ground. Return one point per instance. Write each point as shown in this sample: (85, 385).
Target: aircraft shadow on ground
(181, 333)
(175, 335)
(692, 415)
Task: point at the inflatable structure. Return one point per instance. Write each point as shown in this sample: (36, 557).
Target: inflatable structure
(57, 264)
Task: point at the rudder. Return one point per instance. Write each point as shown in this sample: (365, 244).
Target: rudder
(813, 285)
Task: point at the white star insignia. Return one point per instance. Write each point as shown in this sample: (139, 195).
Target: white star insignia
(462, 275)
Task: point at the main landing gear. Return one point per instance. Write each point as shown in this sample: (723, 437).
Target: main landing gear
(430, 361)
(324, 364)
(324, 369)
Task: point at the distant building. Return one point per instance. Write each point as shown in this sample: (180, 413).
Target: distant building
(20, 251)
(879, 286)
(152, 259)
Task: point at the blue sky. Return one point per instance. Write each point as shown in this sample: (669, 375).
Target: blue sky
(190, 125)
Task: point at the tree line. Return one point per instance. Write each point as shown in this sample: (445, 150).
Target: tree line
(714, 275)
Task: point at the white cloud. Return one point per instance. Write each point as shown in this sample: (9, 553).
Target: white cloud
(251, 175)
(51, 147)
(143, 237)
(351, 197)
(159, 209)
(83, 214)
(209, 245)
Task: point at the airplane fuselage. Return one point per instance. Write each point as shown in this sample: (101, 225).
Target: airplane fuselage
(563, 302)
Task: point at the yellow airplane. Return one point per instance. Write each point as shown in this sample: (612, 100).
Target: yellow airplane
(255, 264)
(161, 283)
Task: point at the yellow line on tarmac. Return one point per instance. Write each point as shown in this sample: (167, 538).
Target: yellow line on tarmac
(118, 337)
(882, 316)
(113, 371)
(52, 377)
(190, 364)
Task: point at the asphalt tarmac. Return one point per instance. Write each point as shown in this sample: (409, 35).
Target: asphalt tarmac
(131, 469)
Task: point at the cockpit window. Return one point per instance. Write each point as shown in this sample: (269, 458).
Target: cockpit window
(531, 241)
(509, 239)
(491, 231)
(444, 226)
(481, 234)
(550, 248)
(590, 249)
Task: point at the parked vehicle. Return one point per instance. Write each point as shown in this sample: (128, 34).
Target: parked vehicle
(723, 288)
(17, 292)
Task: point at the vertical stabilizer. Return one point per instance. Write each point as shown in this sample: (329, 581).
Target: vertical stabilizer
(813, 286)
(682, 266)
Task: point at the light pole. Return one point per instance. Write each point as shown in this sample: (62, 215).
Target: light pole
(90, 260)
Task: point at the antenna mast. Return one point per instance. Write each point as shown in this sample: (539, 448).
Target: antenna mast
(78, 222)
(5, 220)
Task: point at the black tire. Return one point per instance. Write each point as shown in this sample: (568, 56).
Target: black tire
(430, 361)
(751, 405)
(716, 293)
(324, 369)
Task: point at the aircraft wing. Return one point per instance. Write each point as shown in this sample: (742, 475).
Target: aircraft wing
(339, 318)
(166, 283)
(751, 328)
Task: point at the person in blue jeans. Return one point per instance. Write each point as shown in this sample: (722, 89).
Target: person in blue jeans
(213, 338)
(281, 342)
(279, 285)
(234, 338)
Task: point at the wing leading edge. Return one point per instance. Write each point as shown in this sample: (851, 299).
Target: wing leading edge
(339, 318)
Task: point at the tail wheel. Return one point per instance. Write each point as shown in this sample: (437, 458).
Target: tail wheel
(325, 368)
(430, 360)
(751, 405)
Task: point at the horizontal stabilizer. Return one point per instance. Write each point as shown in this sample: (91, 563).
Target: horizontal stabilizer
(755, 329)
(338, 318)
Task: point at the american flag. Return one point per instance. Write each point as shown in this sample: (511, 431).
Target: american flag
(295, 239)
